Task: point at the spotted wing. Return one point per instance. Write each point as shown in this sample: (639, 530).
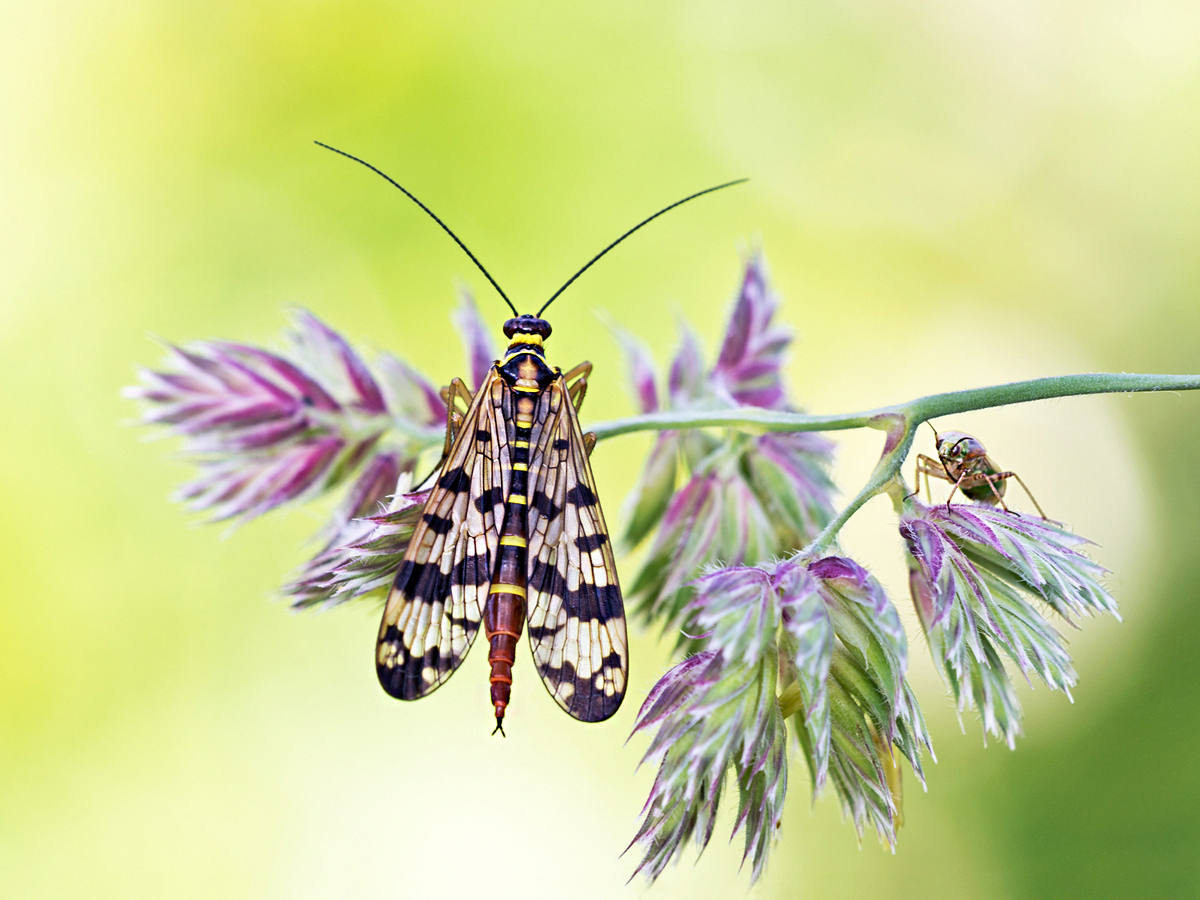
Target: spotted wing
(576, 617)
(436, 602)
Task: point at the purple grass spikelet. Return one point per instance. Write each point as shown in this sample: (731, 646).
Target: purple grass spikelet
(717, 711)
(973, 571)
(834, 638)
(745, 499)
(362, 557)
(269, 428)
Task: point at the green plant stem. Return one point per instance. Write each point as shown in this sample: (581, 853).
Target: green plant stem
(755, 419)
(900, 421)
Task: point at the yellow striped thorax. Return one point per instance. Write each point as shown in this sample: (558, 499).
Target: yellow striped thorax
(524, 366)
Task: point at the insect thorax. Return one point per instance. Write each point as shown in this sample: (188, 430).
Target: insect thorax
(524, 365)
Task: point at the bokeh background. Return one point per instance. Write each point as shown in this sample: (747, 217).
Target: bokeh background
(949, 194)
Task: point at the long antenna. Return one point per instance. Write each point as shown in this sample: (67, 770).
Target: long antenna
(445, 227)
(628, 233)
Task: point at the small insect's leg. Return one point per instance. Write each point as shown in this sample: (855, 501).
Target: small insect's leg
(991, 483)
(589, 444)
(916, 481)
(1030, 494)
(930, 468)
(961, 479)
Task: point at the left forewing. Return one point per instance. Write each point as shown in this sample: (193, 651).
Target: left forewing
(576, 616)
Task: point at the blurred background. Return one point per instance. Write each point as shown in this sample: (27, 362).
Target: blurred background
(949, 194)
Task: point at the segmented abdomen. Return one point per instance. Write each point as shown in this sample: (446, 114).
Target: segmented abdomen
(504, 614)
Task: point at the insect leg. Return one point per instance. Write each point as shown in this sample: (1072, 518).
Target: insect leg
(1029, 493)
(930, 468)
(456, 390)
(990, 481)
(961, 478)
(578, 390)
(589, 444)
(916, 479)
(584, 369)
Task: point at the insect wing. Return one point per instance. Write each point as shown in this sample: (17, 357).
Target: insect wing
(576, 616)
(434, 608)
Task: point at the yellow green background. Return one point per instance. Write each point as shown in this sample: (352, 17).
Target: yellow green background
(949, 194)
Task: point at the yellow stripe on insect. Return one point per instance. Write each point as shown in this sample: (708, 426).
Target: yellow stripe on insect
(520, 467)
(527, 389)
(507, 589)
(517, 498)
(513, 540)
(524, 337)
(521, 445)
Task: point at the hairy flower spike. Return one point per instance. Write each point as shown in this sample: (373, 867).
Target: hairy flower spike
(334, 363)
(412, 400)
(718, 711)
(715, 518)
(748, 367)
(970, 570)
(269, 428)
(747, 499)
(862, 706)
(641, 368)
(827, 627)
(362, 557)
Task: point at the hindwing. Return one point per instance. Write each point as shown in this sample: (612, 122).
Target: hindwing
(436, 602)
(576, 616)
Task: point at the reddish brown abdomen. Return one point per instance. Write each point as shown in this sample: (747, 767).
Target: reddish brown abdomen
(504, 613)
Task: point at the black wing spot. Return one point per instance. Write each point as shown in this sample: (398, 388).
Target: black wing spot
(433, 659)
(610, 600)
(612, 662)
(391, 635)
(581, 495)
(600, 603)
(438, 524)
(410, 573)
(483, 435)
(544, 505)
(540, 574)
(455, 480)
(489, 499)
(589, 542)
(561, 444)
(474, 570)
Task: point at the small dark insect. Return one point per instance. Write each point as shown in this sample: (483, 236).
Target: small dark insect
(512, 532)
(964, 462)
